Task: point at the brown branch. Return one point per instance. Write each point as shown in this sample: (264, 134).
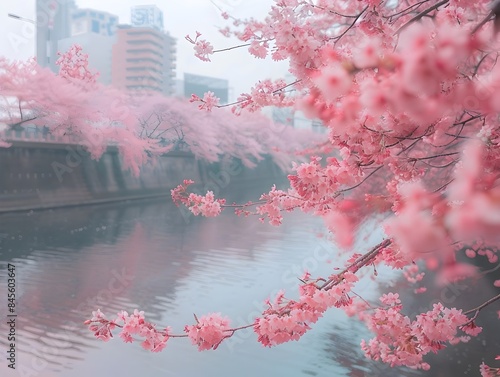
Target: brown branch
(420, 15)
(350, 26)
(413, 159)
(248, 99)
(440, 166)
(443, 186)
(479, 308)
(363, 181)
(407, 9)
(334, 12)
(364, 260)
(239, 46)
(488, 17)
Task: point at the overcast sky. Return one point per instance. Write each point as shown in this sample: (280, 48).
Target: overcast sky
(181, 17)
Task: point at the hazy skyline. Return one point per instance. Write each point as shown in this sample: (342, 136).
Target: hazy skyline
(180, 18)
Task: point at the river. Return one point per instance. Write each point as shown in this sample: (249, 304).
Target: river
(151, 256)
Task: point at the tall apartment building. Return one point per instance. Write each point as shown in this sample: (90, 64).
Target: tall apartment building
(53, 22)
(144, 55)
(95, 32)
(130, 57)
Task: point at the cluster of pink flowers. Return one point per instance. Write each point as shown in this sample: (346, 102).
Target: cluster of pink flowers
(155, 340)
(203, 49)
(409, 95)
(265, 93)
(130, 324)
(100, 326)
(208, 102)
(73, 65)
(209, 331)
(402, 341)
(270, 93)
(274, 203)
(285, 320)
(258, 49)
(487, 371)
(205, 205)
(179, 193)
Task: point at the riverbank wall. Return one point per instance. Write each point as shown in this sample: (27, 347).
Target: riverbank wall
(37, 174)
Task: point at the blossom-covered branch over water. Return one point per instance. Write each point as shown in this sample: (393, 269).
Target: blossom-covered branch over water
(410, 95)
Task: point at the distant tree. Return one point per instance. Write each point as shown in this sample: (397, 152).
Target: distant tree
(143, 125)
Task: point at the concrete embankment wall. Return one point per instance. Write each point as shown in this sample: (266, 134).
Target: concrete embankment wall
(35, 175)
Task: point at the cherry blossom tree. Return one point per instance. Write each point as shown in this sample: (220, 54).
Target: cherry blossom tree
(142, 125)
(409, 94)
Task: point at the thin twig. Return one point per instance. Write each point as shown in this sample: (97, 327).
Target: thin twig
(488, 17)
(483, 305)
(420, 15)
(350, 26)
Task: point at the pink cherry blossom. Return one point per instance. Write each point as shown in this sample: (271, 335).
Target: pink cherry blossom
(209, 331)
(259, 50)
(209, 101)
(203, 49)
(408, 94)
(333, 82)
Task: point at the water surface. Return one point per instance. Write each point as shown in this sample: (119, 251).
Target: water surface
(149, 255)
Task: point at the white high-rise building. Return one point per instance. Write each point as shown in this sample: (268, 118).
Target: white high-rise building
(53, 23)
(95, 32)
(93, 21)
(99, 49)
(144, 55)
(144, 58)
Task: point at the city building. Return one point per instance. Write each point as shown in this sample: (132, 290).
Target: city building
(53, 23)
(169, 64)
(199, 85)
(144, 55)
(129, 57)
(93, 21)
(143, 58)
(147, 16)
(99, 50)
(95, 32)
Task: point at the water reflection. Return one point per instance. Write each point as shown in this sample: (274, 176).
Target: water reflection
(146, 255)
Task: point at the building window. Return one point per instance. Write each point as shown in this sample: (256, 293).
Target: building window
(96, 27)
(144, 60)
(145, 33)
(144, 51)
(143, 41)
(157, 79)
(142, 87)
(138, 69)
(79, 14)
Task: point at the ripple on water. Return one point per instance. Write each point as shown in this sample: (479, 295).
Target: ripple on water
(144, 255)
